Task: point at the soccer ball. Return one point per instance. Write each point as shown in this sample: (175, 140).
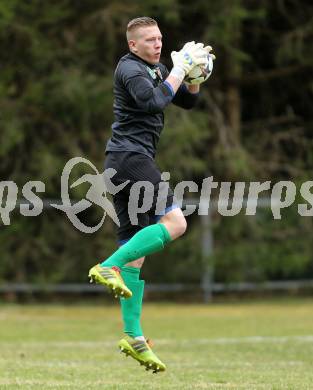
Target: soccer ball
(200, 73)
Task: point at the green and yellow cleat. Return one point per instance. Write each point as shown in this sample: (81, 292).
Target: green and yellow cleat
(111, 278)
(141, 351)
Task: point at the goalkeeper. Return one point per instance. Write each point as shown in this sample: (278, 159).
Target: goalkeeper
(143, 87)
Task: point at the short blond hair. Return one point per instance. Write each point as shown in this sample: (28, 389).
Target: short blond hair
(134, 24)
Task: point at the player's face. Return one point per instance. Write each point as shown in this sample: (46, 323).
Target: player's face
(147, 44)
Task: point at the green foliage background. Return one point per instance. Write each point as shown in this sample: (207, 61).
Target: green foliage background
(253, 122)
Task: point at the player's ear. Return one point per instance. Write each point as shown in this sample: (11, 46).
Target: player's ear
(132, 46)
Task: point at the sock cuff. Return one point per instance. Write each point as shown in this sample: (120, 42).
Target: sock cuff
(166, 234)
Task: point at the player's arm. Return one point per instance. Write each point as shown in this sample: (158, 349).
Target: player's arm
(186, 95)
(177, 83)
(155, 99)
(195, 89)
(148, 97)
(186, 98)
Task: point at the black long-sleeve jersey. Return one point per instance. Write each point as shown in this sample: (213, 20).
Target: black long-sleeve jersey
(141, 95)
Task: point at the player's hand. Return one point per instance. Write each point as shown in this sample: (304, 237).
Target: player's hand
(191, 55)
(200, 74)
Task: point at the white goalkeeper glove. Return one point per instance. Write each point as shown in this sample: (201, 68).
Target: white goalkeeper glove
(208, 50)
(199, 74)
(191, 55)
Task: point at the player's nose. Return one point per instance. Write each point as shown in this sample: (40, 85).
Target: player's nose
(158, 44)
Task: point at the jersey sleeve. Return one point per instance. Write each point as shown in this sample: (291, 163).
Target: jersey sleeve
(153, 99)
(183, 98)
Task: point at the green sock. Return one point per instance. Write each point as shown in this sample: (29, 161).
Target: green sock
(131, 307)
(149, 240)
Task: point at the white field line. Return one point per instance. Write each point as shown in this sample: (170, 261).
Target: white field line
(198, 341)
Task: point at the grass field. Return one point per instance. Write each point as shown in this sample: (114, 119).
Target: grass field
(264, 345)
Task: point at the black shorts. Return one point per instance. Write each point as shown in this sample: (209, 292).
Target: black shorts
(137, 167)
